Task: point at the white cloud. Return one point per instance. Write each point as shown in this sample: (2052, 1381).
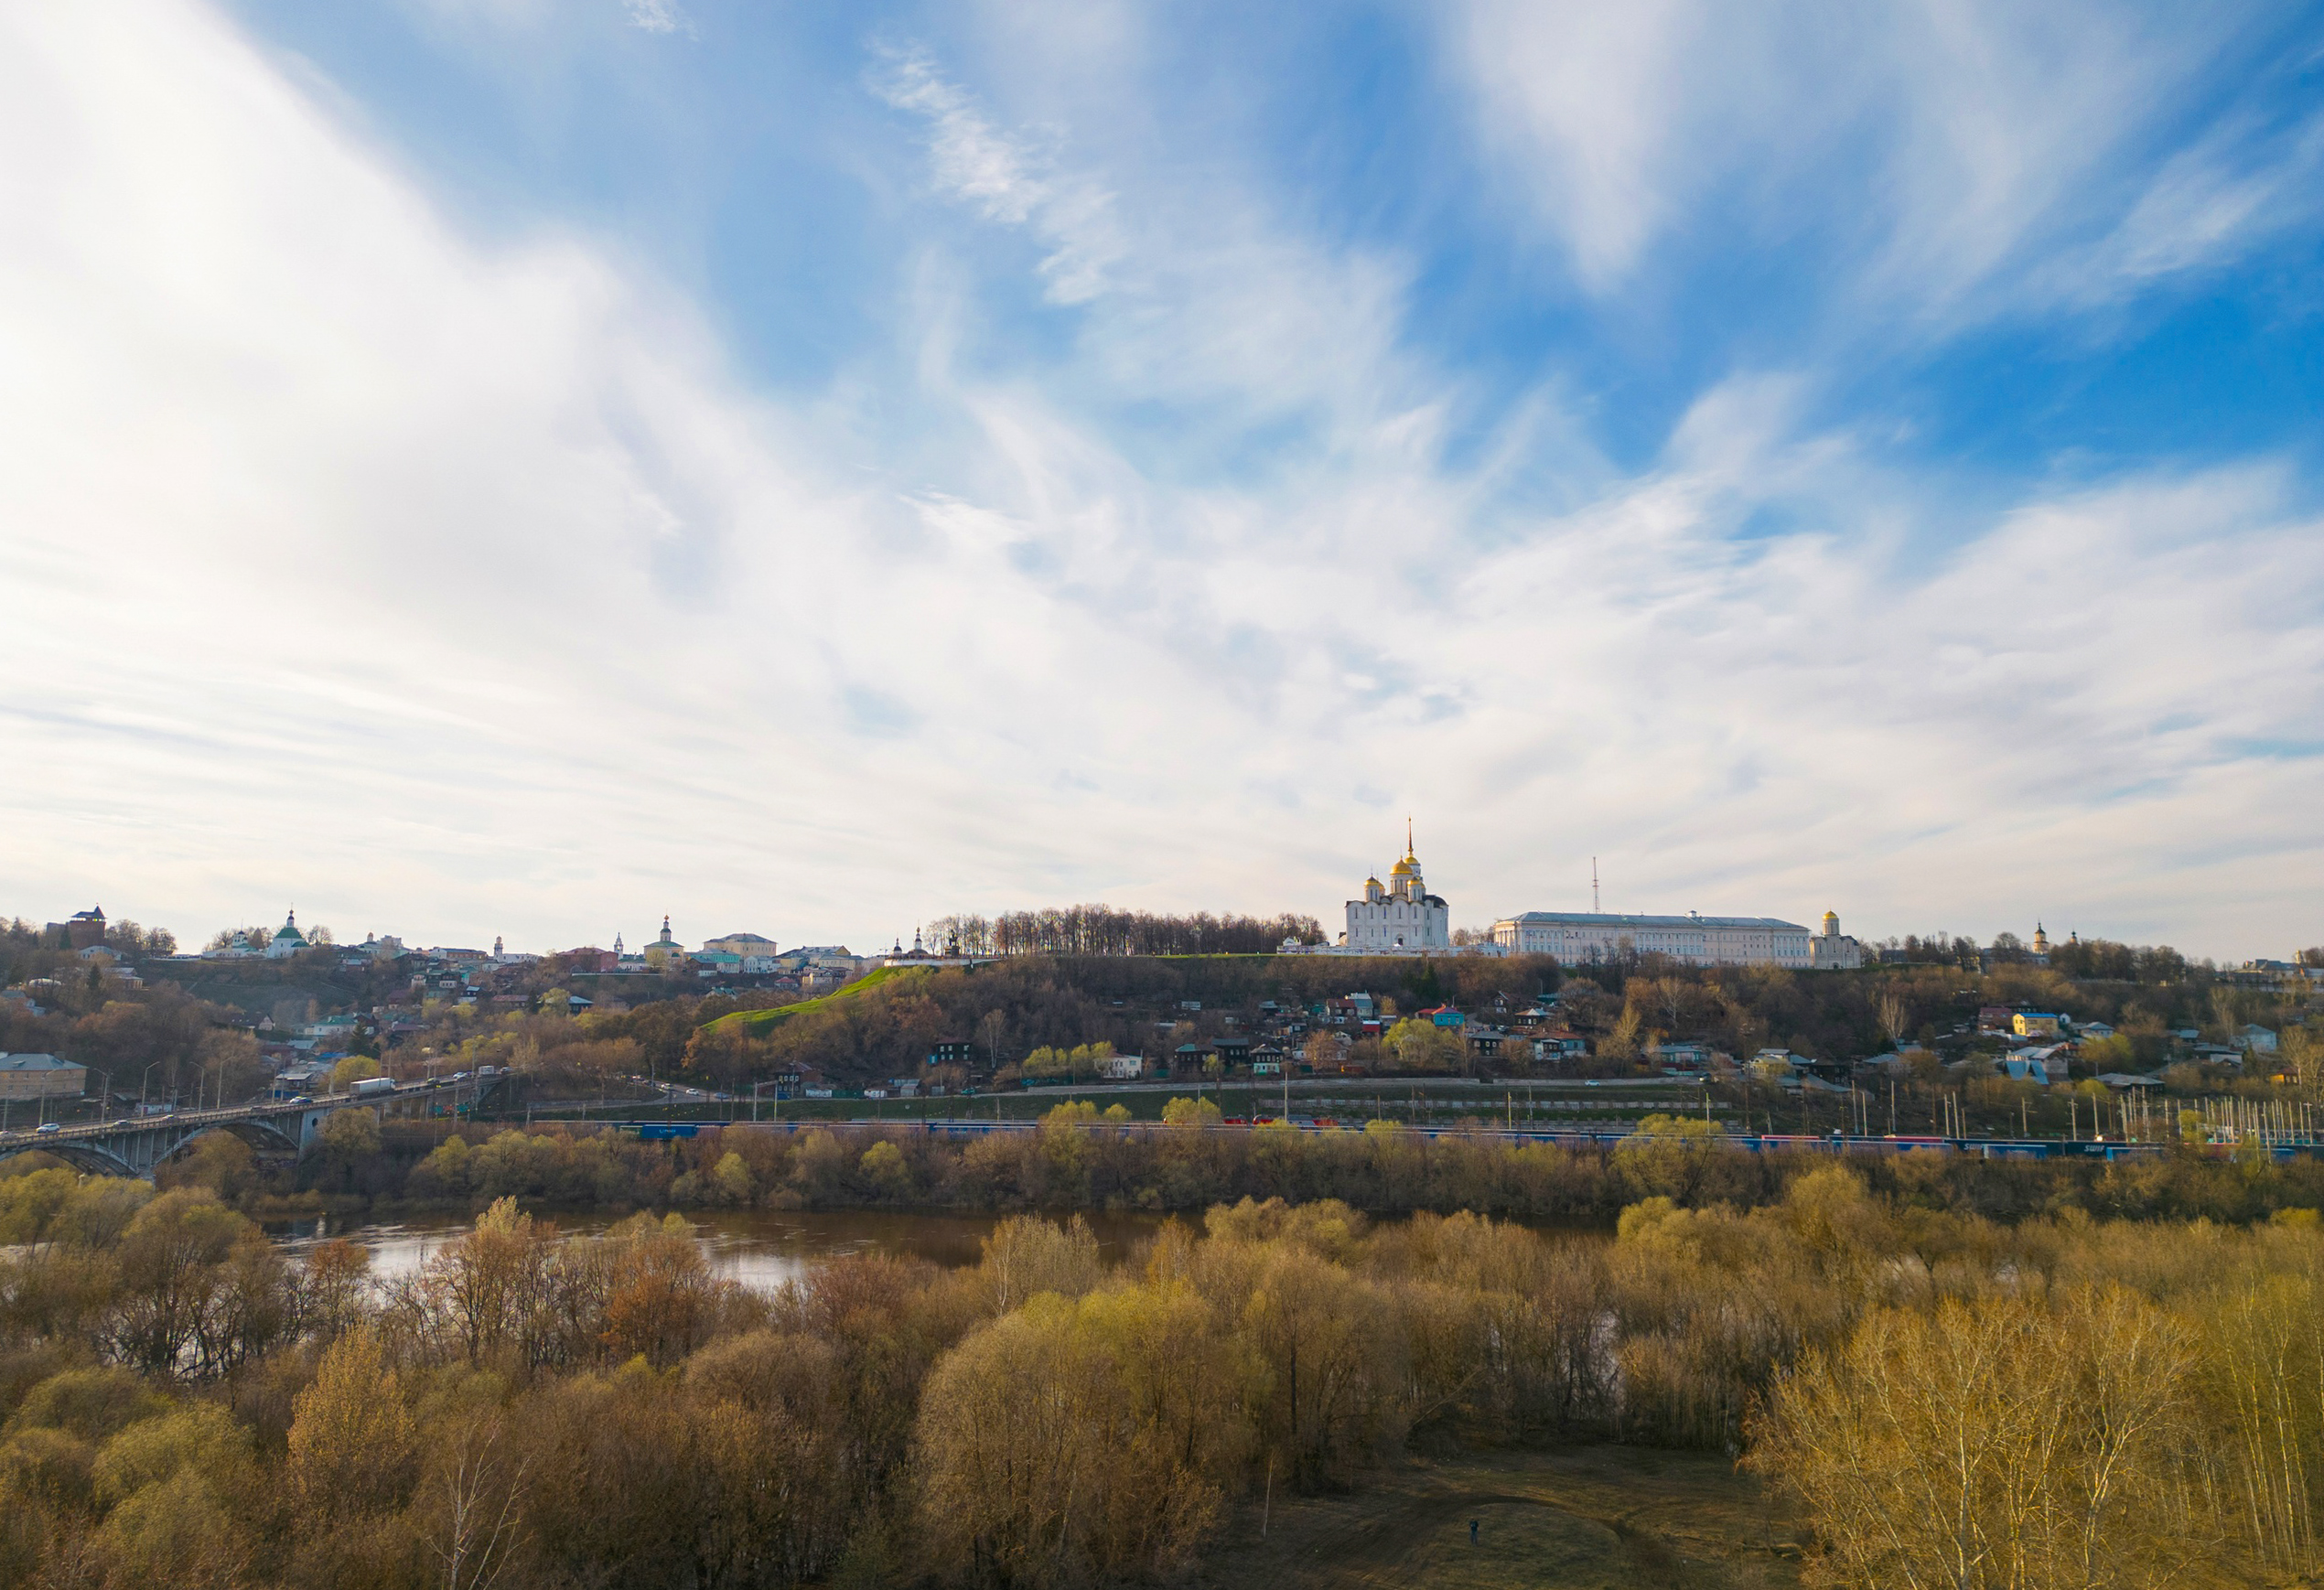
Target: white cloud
(1008, 177)
(2232, 191)
(1938, 141)
(657, 17)
(2073, 716)
(1580, 96)
(1205, 301)
(354, 559)
(452, 588)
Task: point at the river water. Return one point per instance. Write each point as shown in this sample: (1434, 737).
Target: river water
(760, 1248)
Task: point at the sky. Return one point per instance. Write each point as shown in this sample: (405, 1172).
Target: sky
(523, 466)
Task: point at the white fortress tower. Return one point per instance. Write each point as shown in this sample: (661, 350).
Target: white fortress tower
(1400, 917)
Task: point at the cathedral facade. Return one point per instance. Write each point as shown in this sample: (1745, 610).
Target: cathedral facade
(1399, 917)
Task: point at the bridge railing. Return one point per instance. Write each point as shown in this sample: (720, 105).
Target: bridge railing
(177, 1120)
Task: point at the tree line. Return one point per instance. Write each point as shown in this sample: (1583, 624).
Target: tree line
(1383, 1169)
(1106, 931)
(1943, 1397)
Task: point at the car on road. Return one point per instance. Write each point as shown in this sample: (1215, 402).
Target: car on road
(48, 1128)
(301, 1098)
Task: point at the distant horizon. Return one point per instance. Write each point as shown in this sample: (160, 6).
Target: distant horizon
(192, 941)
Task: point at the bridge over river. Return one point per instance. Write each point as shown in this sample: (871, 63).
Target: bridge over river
(135, 1145)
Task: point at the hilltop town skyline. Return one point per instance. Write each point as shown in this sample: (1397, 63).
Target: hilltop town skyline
(925, 934)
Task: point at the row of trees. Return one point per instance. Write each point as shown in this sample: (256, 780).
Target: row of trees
(1382, 1168)
(1104, 930)
(2102, 959)
(1081, 1061)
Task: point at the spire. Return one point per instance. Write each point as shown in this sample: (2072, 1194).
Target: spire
(1408, 852)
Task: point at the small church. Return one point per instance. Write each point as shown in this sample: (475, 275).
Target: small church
(287, 940)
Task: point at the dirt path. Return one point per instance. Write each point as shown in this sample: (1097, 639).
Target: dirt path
(1589, 1519)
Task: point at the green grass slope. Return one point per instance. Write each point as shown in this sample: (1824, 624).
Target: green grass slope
(757, 1023)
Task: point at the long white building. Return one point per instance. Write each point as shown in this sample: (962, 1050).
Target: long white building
(1575, 937)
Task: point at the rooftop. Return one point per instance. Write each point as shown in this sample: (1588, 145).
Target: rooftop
(1617, 919)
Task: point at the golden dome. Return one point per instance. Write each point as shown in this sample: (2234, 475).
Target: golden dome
(1403, 868)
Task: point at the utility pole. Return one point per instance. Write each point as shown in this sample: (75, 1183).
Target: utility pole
(1594, 908)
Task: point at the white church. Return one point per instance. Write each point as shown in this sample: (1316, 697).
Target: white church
(1399, 917)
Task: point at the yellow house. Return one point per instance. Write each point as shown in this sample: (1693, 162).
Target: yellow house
(2034, 1023)
(40, 1076)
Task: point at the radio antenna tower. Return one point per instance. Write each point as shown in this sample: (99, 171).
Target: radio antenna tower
(1594, 907)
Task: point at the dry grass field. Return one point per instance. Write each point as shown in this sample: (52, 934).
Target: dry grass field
(1589, 1518)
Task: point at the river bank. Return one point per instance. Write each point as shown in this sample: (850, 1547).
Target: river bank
(759, 1249)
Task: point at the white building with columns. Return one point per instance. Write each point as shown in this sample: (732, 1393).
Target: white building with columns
(1577, 937)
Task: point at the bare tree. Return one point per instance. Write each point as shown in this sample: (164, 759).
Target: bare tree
(1895, 1015)
(477, 1493)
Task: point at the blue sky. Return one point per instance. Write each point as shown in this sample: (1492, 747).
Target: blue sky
(520, 466)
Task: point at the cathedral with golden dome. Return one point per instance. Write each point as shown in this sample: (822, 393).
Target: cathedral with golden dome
(1399, 917)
